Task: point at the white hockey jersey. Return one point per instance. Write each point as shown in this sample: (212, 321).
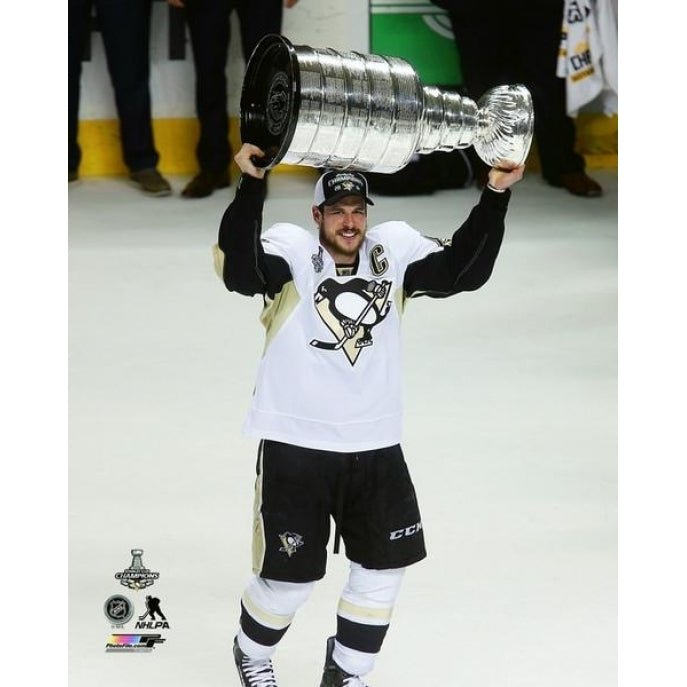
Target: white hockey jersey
(330, 374)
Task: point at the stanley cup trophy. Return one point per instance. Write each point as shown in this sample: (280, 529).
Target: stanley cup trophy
(323, 108)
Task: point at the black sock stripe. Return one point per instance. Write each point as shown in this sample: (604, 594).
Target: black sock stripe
(257, 632)
(367, 638)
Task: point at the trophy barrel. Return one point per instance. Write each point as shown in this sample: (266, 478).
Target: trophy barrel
(322, 108)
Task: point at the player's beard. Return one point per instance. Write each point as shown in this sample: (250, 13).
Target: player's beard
(339, 247)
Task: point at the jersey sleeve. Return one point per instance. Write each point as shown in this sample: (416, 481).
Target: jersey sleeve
(283, 240)
(241, 260)
(467, 260)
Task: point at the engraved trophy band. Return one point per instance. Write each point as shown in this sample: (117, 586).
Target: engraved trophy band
(323, 108)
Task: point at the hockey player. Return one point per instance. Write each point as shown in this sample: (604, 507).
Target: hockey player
(327, 403)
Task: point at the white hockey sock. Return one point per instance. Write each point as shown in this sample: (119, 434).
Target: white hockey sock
(364, 615)
(267, 609)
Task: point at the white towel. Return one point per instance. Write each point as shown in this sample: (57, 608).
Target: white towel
(588, 55)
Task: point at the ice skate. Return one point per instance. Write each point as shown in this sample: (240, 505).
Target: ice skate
(333, 676)
(254, 673)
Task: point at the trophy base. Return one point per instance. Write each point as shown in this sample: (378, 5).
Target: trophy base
(270, 99)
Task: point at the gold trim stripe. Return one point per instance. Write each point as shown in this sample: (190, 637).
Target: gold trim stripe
(258, 544)
(363, 613)
(275, 622)
(218, 261)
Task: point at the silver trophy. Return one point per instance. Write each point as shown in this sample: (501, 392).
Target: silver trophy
(136, 559)
(323, 108)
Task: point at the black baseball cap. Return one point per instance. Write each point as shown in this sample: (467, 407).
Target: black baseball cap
(332, 186)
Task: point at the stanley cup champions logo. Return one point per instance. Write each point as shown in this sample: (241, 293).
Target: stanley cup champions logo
(136, 576)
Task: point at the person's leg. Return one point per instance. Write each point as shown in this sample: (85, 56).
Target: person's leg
(79, 22)
(125, 28)
(256, 20)
(362, 621)
(482, 34)
(290, 532)
(381, 526)
(539, 33)
(477, 24)
(209, 30)
(267, 609)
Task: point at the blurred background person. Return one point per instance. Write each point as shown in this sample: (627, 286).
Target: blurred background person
(517, 41)
(210, 31)
(125, 29)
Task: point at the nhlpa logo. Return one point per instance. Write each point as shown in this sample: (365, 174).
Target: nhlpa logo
(155, 621)
(351, 309)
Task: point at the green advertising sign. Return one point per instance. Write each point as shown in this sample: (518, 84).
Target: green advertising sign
(419, 32)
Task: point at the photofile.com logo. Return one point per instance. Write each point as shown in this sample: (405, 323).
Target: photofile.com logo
(120, 642)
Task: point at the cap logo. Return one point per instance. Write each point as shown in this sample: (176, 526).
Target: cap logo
(342, 183)
(336, 184)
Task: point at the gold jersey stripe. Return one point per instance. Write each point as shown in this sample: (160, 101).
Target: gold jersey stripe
(277, 311)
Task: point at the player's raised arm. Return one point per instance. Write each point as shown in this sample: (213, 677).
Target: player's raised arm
(240, 259)
(467, 262)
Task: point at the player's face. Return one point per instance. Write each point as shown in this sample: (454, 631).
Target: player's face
(342, 227)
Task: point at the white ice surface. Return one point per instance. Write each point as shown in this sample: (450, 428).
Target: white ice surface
(510, 434)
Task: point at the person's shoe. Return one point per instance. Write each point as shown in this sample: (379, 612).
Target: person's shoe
(333, 676)
(205, 182)
(73, 175)
(579, 184)
(253, 673)
(151, 182)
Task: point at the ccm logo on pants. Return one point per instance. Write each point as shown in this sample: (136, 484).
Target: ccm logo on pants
(405, 532)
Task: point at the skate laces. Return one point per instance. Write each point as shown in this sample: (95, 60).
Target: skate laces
(259, 673)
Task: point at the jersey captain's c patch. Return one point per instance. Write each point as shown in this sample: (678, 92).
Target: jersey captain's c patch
(351, 309)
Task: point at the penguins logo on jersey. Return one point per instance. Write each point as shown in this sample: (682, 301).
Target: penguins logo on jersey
(351, 309)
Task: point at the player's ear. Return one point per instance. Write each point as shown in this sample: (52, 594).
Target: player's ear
(317, 214)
